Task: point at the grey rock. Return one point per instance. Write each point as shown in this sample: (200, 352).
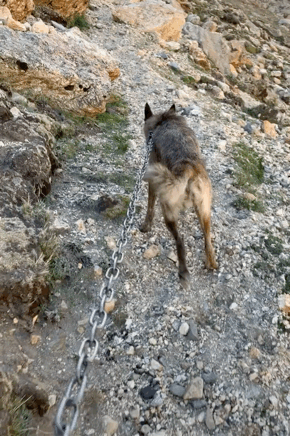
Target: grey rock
(194, 389)
(212, 43)
(248, 128)
(177, 390)
(59, 26)
(193, 18)
(174, 66)
(145, 429)
(209, 421)
(77, 75)
(162, 55)
(198, 404)
(192, 334)
(209, 377)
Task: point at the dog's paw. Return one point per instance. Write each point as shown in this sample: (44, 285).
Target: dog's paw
(184, 279)
(211, 264)
(145, 227)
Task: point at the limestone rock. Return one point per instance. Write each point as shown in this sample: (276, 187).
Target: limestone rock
(73, 73)
(284, 303)
(15, 25)
(111, 426)
(20, 9)
(40, 27)
(269, 129)
(26, 163)
(213, 44)
(198, 55)
(151, 252)
(66, 8)
(194, 390)
(153, 16)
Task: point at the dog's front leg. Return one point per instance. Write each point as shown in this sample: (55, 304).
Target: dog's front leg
(147, 224)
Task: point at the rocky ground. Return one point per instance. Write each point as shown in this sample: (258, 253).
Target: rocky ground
(211, 360)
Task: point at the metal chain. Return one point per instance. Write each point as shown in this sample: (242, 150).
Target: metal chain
(90, 345)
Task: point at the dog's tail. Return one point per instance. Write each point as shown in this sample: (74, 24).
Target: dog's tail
(170, 188)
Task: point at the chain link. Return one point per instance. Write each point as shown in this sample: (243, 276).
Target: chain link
(90, 345)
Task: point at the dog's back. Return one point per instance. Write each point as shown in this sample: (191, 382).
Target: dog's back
(174, 143)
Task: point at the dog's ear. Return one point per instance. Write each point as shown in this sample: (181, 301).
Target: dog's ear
(172, 109)
(148, 111)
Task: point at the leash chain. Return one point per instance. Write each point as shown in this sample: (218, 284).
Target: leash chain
(90, 345)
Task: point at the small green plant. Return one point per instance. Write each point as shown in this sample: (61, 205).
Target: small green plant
(20, 417)
(67, 148)
(244, 203)
(250, 166)
(274, 245)
(119, 209)
(189, 80)
(79, 21)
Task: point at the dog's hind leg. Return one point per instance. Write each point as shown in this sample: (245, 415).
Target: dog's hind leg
(171, 223)
(147, 224)
(201, 188)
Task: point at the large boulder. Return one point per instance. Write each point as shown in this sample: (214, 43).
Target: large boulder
(65, 8)
(213, 44)
(153, 16)
(26, 165)
(20, 9)
(71, 72)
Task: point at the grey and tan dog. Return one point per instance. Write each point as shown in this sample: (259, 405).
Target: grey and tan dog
(177, 176)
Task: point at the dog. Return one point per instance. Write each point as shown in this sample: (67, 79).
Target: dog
(176, 175)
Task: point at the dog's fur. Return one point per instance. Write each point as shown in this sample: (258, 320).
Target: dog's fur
(177, 176)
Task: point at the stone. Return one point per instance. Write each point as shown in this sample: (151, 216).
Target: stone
(156, 365)
(15, 25)
(249, 196)
(194, 390)
(110, 425)
(184, 328)
(67, 9)
(192, 334)
(40, 27)
(19, 9)
(209, 420)
(135, 412)
(59, 227)
(284, 22)
(35, 339)
(145, 429)
(198, 56)
(153, 16)
(73, 73)
(109, 306)
(148, 392)
(193, 18)
(210, 25)
(255, 353)
(177, 390)
(151, 252)
(5, 14)
(284, 303)
(213, 44)
(209, 377)
(269, 129)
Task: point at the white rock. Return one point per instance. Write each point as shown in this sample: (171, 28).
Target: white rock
(183, 329)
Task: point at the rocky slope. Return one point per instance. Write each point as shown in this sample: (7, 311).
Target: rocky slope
(212, 360)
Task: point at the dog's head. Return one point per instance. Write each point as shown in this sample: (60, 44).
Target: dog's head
(152, 121)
